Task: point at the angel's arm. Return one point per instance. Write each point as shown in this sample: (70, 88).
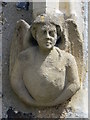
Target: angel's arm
(18, 84)
(73, 81)
(71, 87)
(73, 84)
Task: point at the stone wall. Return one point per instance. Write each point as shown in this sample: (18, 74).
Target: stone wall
(10, 15)
(10, 101)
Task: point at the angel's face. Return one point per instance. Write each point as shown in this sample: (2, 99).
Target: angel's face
(46, 36)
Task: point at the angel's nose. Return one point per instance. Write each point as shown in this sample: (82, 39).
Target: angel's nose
(48, 35)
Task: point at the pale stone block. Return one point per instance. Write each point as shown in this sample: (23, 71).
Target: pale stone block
(44, 7)
(53, 5)
(89, 55)
(64, 7)
(73, 9)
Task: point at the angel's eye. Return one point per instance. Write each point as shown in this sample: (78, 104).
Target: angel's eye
(51, 33)
(44, 31)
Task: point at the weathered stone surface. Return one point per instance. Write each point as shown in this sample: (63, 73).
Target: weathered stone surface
(9, 98)
(89, 59)
(43, 75)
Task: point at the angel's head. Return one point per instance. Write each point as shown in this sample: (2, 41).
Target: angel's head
(46, 30)
(46, 36)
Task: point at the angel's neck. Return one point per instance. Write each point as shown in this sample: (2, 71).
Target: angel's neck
(44, 51)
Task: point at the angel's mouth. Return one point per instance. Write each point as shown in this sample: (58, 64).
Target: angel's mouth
(48, 42)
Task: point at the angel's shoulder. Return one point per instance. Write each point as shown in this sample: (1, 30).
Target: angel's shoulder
(70, 59)
(68, 56)
(26, 54)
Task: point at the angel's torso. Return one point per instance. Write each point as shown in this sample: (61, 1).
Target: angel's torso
(44, 77)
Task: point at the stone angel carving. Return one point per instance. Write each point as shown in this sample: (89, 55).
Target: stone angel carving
(44, 68)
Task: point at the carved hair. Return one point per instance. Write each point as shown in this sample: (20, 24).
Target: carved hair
(46, 19)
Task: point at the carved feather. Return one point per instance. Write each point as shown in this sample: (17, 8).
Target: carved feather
(76, 44)
(19, 42)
